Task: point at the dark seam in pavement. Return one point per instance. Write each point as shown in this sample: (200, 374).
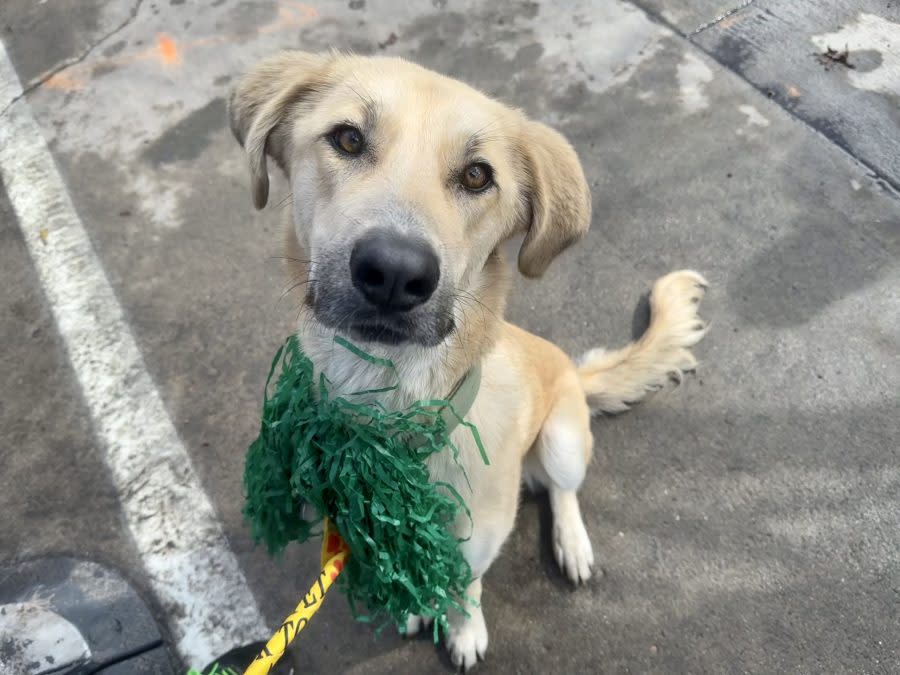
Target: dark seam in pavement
(887, 184)
(124, 656)
(68, 63)
(709, 24)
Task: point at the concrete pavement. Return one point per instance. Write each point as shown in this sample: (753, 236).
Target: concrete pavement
(746, 522)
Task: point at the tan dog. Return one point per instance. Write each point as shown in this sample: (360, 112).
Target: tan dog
(405, 184)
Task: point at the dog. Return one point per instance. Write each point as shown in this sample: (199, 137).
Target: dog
(406, 186)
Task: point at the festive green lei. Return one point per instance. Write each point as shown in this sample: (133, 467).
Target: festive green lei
(364, 467)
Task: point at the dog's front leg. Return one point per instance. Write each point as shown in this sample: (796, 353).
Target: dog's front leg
(467, 636)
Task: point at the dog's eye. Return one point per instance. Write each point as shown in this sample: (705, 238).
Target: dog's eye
(477, 177)
(348, 140)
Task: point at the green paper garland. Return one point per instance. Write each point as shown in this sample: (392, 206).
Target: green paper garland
(363, 467)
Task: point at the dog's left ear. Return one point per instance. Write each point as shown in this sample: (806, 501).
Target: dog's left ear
(260, 105)
(558, 204)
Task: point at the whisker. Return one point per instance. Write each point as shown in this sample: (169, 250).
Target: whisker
(292, 287)
(284, 202)
(286, 257)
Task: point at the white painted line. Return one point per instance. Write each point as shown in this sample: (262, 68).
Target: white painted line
(190, 567)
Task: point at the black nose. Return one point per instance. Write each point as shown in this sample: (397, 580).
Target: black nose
(394, 272)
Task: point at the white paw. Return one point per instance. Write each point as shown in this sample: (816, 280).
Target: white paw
(415, 623)
(467, 641)
(572, 547)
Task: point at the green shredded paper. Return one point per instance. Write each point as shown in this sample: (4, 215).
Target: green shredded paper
(362, 466)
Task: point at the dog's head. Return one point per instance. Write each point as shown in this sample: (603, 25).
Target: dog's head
(404, 185)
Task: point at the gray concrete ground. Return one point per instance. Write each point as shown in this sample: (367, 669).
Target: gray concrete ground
(745, 522)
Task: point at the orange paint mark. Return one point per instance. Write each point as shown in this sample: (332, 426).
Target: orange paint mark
(291, 15)
(793, 92)
(63, 82)
(168, 50)
(306, 12)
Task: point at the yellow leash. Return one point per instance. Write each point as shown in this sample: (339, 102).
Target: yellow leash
(334, 554)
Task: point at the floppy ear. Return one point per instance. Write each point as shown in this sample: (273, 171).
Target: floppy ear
(558, 197)
(258, 107)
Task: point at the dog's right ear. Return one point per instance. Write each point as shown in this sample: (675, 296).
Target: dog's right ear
(258, 106)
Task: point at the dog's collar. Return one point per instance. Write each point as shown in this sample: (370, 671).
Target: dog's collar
(461, 397)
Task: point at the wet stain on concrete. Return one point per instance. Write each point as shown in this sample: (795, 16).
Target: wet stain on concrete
(188, 138)
(833, 128)
(735, 52)
(245, 18)
(801, 274)
(328, 32)
(102, 69)
(433, 34)
(114, 48)
(867, 60)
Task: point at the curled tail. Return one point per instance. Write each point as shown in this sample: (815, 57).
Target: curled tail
(613, 380)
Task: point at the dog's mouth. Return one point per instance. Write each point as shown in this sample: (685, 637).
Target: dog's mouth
(427, 328)
(344, 311)
(399, 330)
(375, 331)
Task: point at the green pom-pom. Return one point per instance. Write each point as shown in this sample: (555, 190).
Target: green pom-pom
(364, 468)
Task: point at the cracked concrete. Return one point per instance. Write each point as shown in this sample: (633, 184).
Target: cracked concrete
(35, 82)
(758, 40)
(745, 521)
(692, 17)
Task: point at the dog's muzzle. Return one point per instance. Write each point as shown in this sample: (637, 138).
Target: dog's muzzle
(393, 295)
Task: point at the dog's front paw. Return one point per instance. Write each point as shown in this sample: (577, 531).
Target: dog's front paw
(467, 640)
(415, 623)
(573, 549)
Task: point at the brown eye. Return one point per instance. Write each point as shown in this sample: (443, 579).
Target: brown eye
(348, 140)
(477, 177)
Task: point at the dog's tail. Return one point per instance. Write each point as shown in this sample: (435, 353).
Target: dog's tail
(613, 380)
